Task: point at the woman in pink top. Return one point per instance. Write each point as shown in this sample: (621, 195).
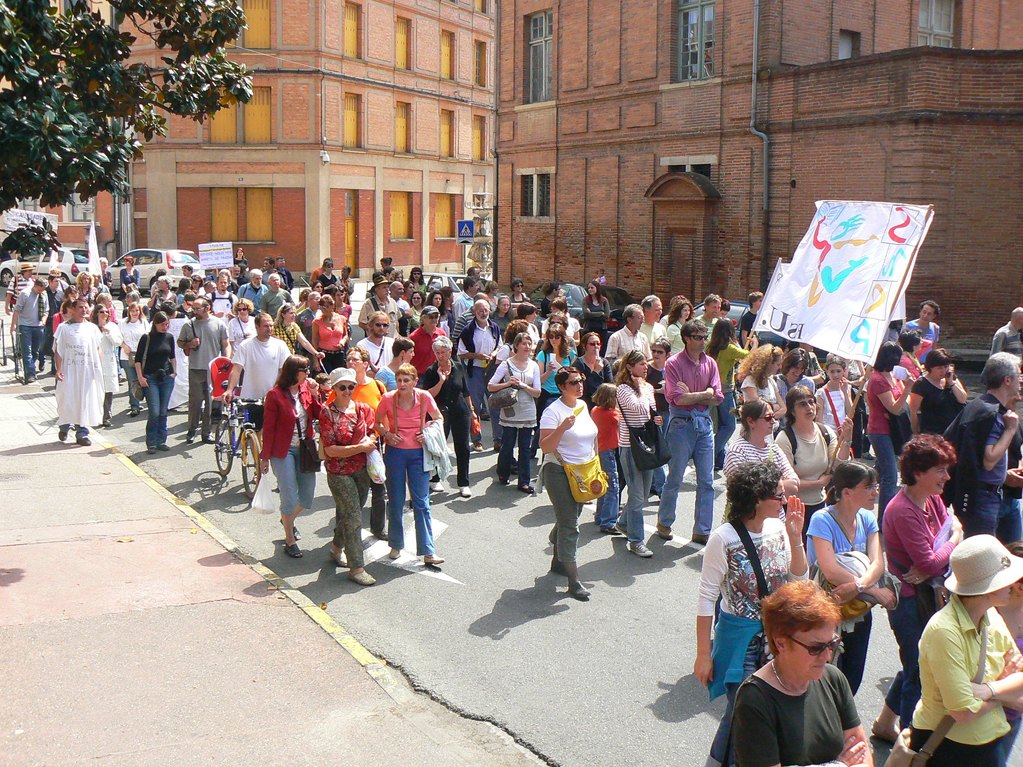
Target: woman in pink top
(401, 416)
(885, 394)
(330, 335)
(919, 536)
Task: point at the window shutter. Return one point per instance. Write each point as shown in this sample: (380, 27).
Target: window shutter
(402, 29)
(259, 214)
(258, 117)
(224, 126)
(257, 16)
(401, 127)
(352, 13)
(401, 208)
(447, 119)
(447, 48)
(224, 214)
(443, 205)
(353, 106)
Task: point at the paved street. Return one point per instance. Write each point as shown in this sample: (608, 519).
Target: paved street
(494, 635)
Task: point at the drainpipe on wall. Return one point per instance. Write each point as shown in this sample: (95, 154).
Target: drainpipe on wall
(765, 262)
(496, 58)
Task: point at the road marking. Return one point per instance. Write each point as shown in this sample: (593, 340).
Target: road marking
(408, 561)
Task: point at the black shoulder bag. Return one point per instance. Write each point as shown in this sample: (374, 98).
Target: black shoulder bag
(648, 446)
(308, 452)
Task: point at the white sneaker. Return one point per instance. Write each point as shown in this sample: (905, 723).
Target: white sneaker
(436, 487)
(640, 550)
(465, 492)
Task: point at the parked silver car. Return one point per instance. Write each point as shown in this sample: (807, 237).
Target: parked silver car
(149, 261)
(70, 261)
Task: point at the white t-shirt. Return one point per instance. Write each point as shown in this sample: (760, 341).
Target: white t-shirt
(222, 303)
(578, 444)
(572, 329)
(379, 356)
(133, 332)
(768, 393)
(238, 331)
(262, 361)
(838, 400)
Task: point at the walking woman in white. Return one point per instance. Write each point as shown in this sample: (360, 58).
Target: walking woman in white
(76, 347)
(112, 342)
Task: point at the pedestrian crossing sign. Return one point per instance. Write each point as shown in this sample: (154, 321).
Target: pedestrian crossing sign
(466, 231)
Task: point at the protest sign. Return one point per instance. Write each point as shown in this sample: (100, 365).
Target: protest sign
(216, 255)
(847, 277)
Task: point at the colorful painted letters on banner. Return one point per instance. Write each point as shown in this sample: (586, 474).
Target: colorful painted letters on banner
(847, 276)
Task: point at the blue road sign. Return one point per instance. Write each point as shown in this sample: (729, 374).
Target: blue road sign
(466, 231)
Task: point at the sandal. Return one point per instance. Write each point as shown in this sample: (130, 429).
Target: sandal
(292, 550)
(339, 558)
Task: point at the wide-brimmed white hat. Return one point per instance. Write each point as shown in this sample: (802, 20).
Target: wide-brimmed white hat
(337, 375)
(980, 565)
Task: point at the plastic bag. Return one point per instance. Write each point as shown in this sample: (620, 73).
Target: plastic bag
(375, 466)
(263, 498)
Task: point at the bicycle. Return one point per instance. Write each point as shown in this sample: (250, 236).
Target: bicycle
(236, 435)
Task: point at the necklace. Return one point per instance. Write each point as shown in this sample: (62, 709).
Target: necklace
(781, 681)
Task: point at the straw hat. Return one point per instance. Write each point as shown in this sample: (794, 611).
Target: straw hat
(980, 565)
(380, 279)
(337, 375)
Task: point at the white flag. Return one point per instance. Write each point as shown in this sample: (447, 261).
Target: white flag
(94, 267)
(847, 276)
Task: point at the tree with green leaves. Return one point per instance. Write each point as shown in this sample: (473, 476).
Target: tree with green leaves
(76, 107)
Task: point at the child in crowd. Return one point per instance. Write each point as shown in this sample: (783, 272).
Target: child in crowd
(834, 399)
(325, 393)
(605, 414)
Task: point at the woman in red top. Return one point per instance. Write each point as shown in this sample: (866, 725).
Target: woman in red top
(330, 335)
(885, 394)
(346, 431)
(289, 410)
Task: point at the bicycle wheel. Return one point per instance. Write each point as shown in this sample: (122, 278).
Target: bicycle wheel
(250, 461)
(223, 446)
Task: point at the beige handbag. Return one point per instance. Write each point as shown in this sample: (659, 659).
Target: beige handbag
(903, 756)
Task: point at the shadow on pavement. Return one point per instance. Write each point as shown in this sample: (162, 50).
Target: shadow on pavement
(517, 607)
(683, 700)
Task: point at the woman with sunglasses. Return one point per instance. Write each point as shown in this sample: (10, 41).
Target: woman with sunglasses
(112, 343)
(554, 354)
(518, 293)
(289, 409)
(756, 424)
(448, 383)
(753, 528)
(330, 335)
(156, 368)
(798, 709)
(288, 330)
(347, 436)
(567, 435)
(595, 369)
(242, 325)
(848, 524)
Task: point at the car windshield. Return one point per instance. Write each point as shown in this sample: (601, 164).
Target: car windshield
(183, 257)
(573, 294)
(80, 257)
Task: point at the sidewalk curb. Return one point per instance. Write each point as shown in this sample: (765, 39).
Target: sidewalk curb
(376, 668)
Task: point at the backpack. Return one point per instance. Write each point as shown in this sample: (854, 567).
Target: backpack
(791, 434)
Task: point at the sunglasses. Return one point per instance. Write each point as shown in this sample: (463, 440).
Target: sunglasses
(304, 370)
(698, 338)
(382, 324)
(573, 381)
(345, 387)
(835, 645)
(779, 497)
(767, 417)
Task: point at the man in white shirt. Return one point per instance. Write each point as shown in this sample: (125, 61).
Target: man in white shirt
(377, 343)
(476, 349)
(652, 311)
(628, 338)
(380, 301)
(464, 301)
(261, 358)
(222, 300)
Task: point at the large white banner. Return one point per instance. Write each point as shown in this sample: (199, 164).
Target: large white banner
(847, 277)
(216, 255)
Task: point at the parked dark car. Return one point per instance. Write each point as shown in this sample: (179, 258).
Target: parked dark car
(734, 314)
(618, 298)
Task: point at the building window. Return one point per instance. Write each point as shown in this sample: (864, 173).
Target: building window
(353, 111)
(447, 133)
(259, 215)
(536, 195)
(481, 64)
(403, 43)
(224, 215)
(257, 115)
(401, 215)
(402, 110)
(224, 125)
(353, 31)
(936, 23)
(481, 6)
(444, 215)
(695, 39)
(479, 138)
(848, 44)
(540, 27)
(79, 209)
(257, 17)
(447, 55)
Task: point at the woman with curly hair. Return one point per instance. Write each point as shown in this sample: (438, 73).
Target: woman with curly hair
(679, 313)
(757, 373)
(288, 330)
(753, 536)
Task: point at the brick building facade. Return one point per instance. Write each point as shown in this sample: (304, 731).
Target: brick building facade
(369, 125)
(625, 142)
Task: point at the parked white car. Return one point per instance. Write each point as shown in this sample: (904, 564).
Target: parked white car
(149, 261)
(70, 261)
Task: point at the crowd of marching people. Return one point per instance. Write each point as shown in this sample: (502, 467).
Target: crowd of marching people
(851, 489)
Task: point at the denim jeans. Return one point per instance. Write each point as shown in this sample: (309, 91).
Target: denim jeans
(887, 469)
(523, 436)
(477, 385)
(608, 503)
(661, 472)
(496, 429)
(984, 515)
(158, 394)
(690, 438)
(904, 693)
(638, 484)
(406, 465)
(1010, 526)
(1008, 740)
(854, 657)
(720, 747)
(726, 428)
(297, 487)
(31, 347)
(131, 375)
